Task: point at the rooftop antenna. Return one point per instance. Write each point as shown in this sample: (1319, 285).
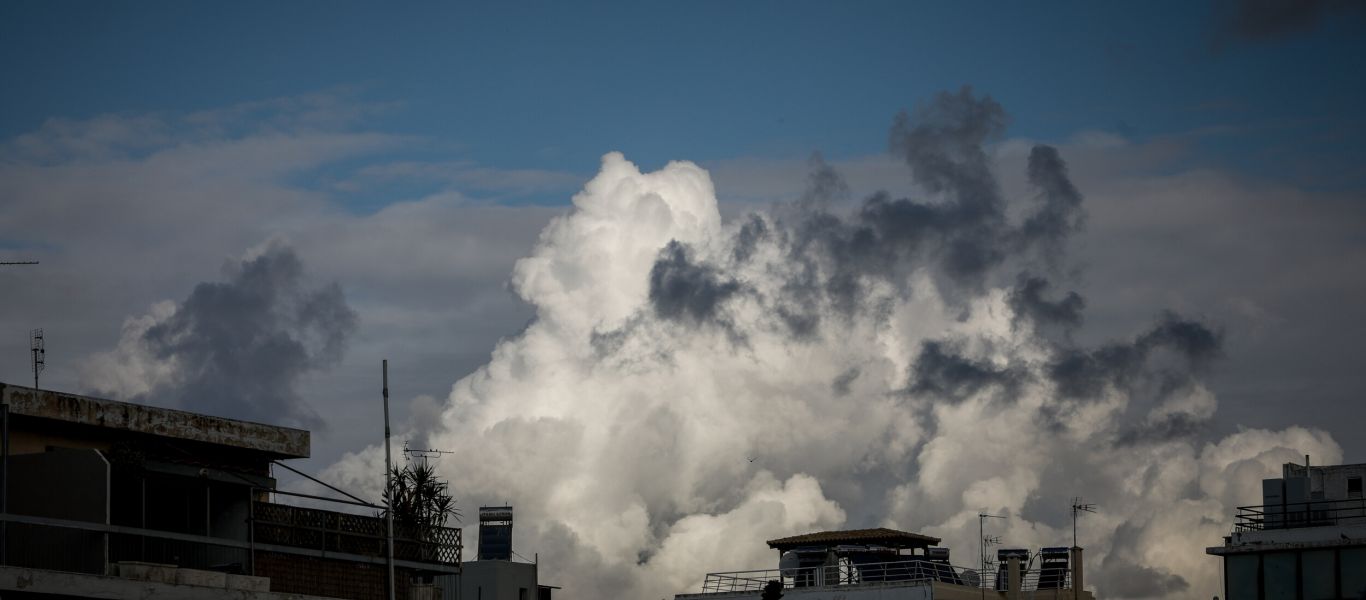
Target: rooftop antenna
(983, 561)
(422, 455)
(18, 262)
(39, 354)
(1077, 508)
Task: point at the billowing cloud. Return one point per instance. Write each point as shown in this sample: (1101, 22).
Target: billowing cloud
(236, 348)
(127, 210)
(690, 388)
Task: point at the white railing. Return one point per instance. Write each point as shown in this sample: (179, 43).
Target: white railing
(902, 572)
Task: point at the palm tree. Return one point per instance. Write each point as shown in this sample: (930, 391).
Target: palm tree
(422, 504)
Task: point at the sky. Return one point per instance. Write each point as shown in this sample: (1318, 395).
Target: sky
(599, 242)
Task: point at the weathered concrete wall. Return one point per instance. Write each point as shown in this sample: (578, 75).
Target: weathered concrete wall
(888, 592)
(492, 580)
(33, 442)
(76, 585)
(893, 591)
(331, 577)
(282, 441)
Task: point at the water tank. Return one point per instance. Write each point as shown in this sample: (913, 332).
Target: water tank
(495, 533)
(940, 555)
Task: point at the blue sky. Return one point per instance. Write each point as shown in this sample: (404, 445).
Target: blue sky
(555, 85)
(321, 107)
(413, 153)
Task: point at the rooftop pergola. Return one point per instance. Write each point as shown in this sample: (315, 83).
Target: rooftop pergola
(881, 536)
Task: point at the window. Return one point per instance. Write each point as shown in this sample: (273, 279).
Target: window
(1353, 572)
(1317, 579)
(1241, 571)
(1278, 576)
(1353, 487)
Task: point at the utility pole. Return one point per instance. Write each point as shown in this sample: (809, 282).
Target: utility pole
(388, 482)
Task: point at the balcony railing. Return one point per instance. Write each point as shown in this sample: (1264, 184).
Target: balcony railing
(1316, 513)
(904, 572)
(80, 546)
(335, 532)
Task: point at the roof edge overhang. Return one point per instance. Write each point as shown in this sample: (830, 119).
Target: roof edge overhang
(273, 440)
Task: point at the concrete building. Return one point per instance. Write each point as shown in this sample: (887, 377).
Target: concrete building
(886, 564)
(497, 574)
(107, 499)
(1305, 541)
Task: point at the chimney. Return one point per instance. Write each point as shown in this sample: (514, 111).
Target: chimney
(1078, 582)
(1013, 579)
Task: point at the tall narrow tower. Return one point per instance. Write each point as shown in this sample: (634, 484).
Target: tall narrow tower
(495, 533)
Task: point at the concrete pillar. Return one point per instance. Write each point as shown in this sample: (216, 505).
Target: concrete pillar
(1013, 579)
(1078, 582)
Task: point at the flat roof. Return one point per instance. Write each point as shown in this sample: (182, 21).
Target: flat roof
(283, 442)
(880, 536)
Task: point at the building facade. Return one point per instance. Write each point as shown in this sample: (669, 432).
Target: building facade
(886, 564)
(1305, 541)
(120, 498)
(497, 574)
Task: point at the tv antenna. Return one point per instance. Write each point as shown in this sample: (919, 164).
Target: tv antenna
(423, 454)
(18, 262)
(983, 561)
(1077, 508)
(39, 354)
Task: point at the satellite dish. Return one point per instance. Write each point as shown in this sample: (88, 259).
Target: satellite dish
(789, 563)
(971, 578)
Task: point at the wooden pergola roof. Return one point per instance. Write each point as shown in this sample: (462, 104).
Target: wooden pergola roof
(880, 536)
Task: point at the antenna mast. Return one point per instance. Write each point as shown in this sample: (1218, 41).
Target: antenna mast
(39, 354)
(422, 454)
(983, 561)
(1077, 508)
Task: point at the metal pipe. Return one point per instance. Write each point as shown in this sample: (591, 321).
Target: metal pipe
(388, 482)
(4, 481)
(142, 540)
(324, 484)
(337, 500)
(251, 531)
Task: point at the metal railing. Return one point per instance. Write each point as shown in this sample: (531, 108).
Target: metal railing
(87, 547)
(335, 532)
(902, 572)
(1315, 513)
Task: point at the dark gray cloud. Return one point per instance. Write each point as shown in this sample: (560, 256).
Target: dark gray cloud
(683, 289)
(748, 238)
(841, 384)
(961, 234)
(802, 325)
(1060, 213)
(1126, 576)
(1086, 373)
(943, 144)
(1260, 20)
(1170, 427)
(1127, 579)
(945, 373)
(1027, 301)
(240, 346)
